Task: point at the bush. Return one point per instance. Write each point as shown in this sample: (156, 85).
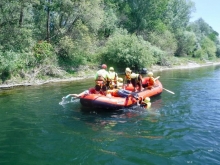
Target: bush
(8, 63)
(164, 40)
(70, 54)
(124, 50)
(186, 43)
(161, 57)
(209, 48)
(43, 50)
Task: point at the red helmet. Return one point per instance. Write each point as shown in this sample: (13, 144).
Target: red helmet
(104, 66)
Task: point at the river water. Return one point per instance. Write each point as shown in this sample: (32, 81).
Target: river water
(178, 129)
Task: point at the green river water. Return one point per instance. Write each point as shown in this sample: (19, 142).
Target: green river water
(178, 129)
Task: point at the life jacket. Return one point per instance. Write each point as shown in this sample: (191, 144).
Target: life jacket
(136, 78)
(93, 91)
(113, 80)
(151, 81)
(114, 92)
(100, 78)
(128, 77)
(145, 105)
(113, 76)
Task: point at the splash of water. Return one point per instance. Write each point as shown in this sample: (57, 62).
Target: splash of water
(66, 100)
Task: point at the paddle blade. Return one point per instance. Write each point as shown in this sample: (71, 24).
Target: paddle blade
(169, 91)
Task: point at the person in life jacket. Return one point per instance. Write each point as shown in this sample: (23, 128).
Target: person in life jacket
(102, 79)
(146, 103)
(120, 83)
(113, 78)
(151, 80)
(136, 80)
(122, 93)
(127, 79)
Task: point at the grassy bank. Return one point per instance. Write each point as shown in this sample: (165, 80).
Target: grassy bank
(85, 72)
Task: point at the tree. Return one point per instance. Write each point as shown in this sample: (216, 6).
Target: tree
(125, 50)
(201, 28)
(138, 16)
(186, 43)
(164, 40)
(16, 25)
(177, 14)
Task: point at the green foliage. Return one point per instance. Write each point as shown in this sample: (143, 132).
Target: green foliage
(178, 13)
(126, 50)
(88, 33)
(165, 41)
(70, 53)
(209, 48)
(201, 28)
(160, 57)
(43, 50)
(186, 43)
(109, 23)
(141, 15)
(10, 62)
(200, 53)
(218, 51)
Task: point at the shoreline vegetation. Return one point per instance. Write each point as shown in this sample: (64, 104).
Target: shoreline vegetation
(155, 69)
(47, 41)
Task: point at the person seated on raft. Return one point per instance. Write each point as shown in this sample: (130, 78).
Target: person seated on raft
(102, 80)
(122, 93)
(134, 79)
(152, 80)
(120, 83)
(113, 78)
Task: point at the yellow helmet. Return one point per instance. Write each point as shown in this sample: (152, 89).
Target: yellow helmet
(146, 100)
(150, 74)
(111, 69)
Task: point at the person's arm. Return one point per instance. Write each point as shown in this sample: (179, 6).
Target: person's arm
(125, 80)
(72, 95)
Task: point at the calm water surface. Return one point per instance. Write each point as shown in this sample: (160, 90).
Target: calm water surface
(178, 129)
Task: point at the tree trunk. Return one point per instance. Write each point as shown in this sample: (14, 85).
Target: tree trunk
(48, 21)
(21, 15)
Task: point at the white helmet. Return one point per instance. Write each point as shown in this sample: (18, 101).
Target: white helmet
(150, 74)
(128, 70)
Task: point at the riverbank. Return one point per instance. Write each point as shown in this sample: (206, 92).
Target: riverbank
(155, 68)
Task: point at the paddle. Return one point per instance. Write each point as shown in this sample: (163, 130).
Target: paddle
(157, 78)
(165, 88)
(169, 91)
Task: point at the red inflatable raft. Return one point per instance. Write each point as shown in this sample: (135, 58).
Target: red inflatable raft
(104, 102)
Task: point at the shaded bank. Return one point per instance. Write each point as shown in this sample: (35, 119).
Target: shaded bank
(155, 68)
